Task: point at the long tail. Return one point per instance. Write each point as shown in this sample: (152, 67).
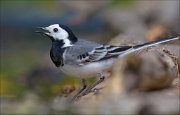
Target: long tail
(148, 44)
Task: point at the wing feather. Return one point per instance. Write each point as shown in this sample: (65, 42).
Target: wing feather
(101, 53)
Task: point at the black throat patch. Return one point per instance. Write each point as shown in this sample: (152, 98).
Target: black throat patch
(57, 52)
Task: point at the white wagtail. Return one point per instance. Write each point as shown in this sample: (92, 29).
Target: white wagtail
(82, 58)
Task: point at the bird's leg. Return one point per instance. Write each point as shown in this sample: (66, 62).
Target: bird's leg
(84, 84)
(88, 90)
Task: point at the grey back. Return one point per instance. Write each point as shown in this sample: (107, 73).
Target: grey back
(80, 47)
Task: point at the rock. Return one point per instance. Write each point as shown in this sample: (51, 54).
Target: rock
(149, 70)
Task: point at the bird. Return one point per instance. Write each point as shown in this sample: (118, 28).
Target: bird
(82, 58)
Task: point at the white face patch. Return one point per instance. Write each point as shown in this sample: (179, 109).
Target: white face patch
(59, 33)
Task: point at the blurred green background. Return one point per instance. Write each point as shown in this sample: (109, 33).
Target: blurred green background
(25, 65)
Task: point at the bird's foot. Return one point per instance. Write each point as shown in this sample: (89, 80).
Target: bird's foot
(80, 91)
(91, 89)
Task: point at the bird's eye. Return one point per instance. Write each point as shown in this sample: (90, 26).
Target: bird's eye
(55, 29)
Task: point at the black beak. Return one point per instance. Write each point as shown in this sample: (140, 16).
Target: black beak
(43, 31)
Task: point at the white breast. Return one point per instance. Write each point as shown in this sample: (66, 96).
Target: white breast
(88, 70)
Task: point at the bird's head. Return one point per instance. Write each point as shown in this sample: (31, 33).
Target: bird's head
(59, 33)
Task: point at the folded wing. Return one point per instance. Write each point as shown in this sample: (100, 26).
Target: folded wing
(101, 53)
